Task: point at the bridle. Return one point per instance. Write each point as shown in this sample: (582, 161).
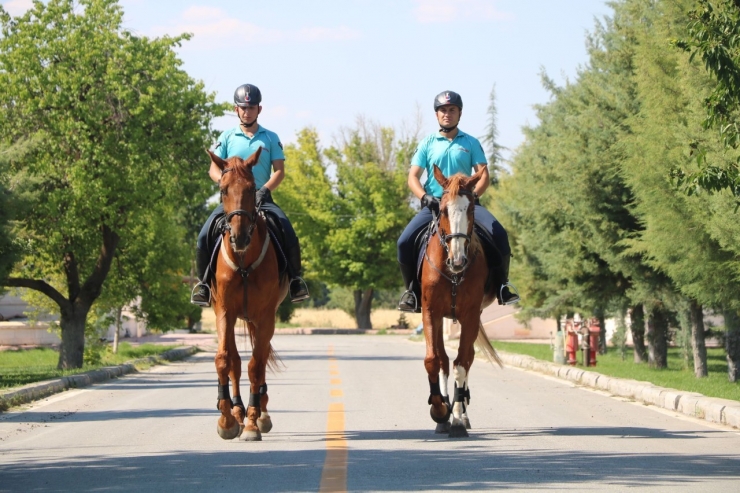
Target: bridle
(252, 216)
(458, 278)
(444, 238)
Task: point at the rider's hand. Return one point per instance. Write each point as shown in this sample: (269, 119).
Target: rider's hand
(263, 195)
(431, 202)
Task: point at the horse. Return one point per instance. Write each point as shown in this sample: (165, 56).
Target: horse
(248, 286)
(453, 285)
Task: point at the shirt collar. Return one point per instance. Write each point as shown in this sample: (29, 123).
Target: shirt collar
(240, 130)
(439, 136)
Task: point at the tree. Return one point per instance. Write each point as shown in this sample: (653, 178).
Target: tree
(122, 130)
(349, 224)
(490, 140)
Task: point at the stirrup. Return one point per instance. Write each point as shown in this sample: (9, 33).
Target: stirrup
(404, 304)
(198, 302)
(512, 289)
(302, 292)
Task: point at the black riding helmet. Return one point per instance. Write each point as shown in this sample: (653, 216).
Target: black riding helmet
(247, 95)
(447, 97)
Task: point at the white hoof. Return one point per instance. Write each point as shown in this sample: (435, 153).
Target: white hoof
(228, 433)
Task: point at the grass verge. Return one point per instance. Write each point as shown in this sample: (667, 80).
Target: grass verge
(34, 365)
(676, 376)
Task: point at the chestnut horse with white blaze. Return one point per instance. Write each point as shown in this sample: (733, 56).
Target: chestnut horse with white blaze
(453, 281)
(247, 286)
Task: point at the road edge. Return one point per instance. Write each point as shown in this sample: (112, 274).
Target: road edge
(39, 390)
(712, 409)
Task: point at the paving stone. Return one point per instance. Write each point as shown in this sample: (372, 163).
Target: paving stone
(671, 397)
(731, 415)
(652, 395)
(711, 408)
(687, 403)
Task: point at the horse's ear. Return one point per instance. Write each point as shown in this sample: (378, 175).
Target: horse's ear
(470, 183)
(219, 162)
(440, 177)
(254, 158)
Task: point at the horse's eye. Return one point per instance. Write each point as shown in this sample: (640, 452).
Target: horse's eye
(223, 192)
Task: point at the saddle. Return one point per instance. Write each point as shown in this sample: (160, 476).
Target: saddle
(215, 235)
(494, 259)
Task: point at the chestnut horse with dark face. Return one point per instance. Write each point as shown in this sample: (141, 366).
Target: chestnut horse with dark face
(247, 286)
(454, 275)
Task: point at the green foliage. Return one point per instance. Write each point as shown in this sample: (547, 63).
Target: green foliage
(116, 179)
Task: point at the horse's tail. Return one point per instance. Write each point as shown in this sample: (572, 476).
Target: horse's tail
(274, 362)
(485, 346)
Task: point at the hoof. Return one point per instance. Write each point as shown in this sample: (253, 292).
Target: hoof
(229, 433)
(442, 428)
(458, 431)
(264, 424)
(251, 436)
(440, 419)
(466, 422)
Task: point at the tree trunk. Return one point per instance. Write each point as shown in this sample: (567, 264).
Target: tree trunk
(657, 332)
(72, 350)
(602, 332)
(732, 344)
(637, 327)
(118, 330)
(363, 304)
(698, 345)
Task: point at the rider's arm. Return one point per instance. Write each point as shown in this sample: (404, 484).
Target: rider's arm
(278, 166)
(415, 181)
(484, 181)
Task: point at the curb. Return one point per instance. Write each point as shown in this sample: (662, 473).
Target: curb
(39, 390)
(714, 410)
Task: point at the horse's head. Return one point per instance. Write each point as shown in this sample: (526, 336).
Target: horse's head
(456, 217)
(238, 193)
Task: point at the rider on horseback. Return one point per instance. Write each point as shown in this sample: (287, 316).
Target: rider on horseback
(453, 151)
(243, 141)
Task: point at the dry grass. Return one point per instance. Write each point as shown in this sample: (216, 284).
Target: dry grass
(336, 319)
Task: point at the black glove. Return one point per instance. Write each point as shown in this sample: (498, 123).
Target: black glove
(263, 195)
(431, 202)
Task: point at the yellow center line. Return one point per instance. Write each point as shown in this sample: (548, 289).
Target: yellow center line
(334, 473)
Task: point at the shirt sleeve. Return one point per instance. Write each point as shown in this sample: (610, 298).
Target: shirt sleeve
(276, 148)
(219, 148)
(477, 154)
(420, 156)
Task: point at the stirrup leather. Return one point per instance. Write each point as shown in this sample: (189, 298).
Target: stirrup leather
(512, 289)
(206, 303)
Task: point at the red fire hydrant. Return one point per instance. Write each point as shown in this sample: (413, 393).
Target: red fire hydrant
(595, 329)
(571, 340)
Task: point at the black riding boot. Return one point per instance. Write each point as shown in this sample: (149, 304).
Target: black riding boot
(201, 294)
(298, 288)
(411, 299)
(506, 297)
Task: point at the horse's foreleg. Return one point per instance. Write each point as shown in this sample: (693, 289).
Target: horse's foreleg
(461, 367)
(256, 423)
(238, 410)
(227, 426)
(440, 411)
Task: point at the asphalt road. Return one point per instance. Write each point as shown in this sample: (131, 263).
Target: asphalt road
(350, 412)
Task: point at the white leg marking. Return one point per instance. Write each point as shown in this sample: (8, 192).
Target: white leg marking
(443, 384)
(460, 379)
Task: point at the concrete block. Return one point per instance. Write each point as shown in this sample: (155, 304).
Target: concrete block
(711, 408)
(652, 395)
(563, 372)
(687, 403)
(731, 415)
(589, 378)
(603, 382)
(670, 399)
(575, 374)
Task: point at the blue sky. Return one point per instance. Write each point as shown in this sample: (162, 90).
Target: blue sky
(323, 63)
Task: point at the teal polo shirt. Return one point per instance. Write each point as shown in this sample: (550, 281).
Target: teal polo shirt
(235, 142)
(457, 156)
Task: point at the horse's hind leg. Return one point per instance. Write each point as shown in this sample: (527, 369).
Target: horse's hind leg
(227, 426)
